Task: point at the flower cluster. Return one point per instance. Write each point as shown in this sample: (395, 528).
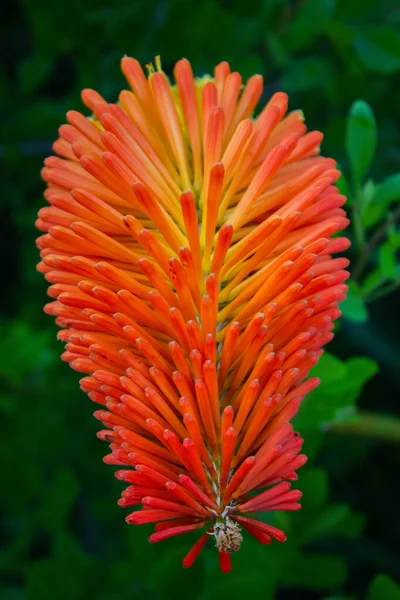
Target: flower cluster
(189, 250)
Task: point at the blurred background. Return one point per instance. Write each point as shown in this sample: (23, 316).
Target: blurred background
(62, 534)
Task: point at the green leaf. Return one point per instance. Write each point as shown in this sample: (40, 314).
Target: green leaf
(344, 188)
(24, 350)
(307, 73)
(367, 194)
(333, 400)
(58, 501)
(394, 237)
(388, 190)
(12, 593)
(372, 281)
(384, 194)
(44, 576)
(372, 214)
(326, 521)
(329, 369)
(379, 49)
(277, 49)
(360, 139)
(316, 571)
(312, 18)
(359, 370)
(350, 526)
(314, 485)
(387, 261)
(383, 588)
(253, 569)
(68, 570)
(163, 574)
(33, 71)
(353, 307)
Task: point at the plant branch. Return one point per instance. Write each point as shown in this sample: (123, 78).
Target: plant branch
(382, 291)
(358, 227)
(374, 241)
(372, 425)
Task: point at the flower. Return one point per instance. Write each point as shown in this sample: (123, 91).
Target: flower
(189, 250)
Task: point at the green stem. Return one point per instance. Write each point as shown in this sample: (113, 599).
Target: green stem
(382, 291)
(376, 238)
(371, 425)
(358, 227)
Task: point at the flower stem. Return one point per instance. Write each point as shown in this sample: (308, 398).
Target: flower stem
(372, 425)
(358, 226)
(382, 291)
(374, 241)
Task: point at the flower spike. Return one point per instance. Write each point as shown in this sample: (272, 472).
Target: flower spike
(187, 244)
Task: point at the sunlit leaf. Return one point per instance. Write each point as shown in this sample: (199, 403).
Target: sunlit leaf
(387, 261)
(384, 194)
(360, 138)
(379, 48)
(384, 588)
(333, 400)
(353, 307)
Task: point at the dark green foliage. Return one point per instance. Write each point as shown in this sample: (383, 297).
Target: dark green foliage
(383, 587)
(63, 535)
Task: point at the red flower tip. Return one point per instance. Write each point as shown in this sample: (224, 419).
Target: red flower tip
(225, 562)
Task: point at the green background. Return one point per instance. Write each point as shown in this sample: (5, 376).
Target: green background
(62, 534)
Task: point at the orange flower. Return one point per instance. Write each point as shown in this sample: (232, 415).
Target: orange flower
(189, 249)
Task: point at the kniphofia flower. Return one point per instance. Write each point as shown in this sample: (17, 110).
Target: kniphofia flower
(190, 254)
